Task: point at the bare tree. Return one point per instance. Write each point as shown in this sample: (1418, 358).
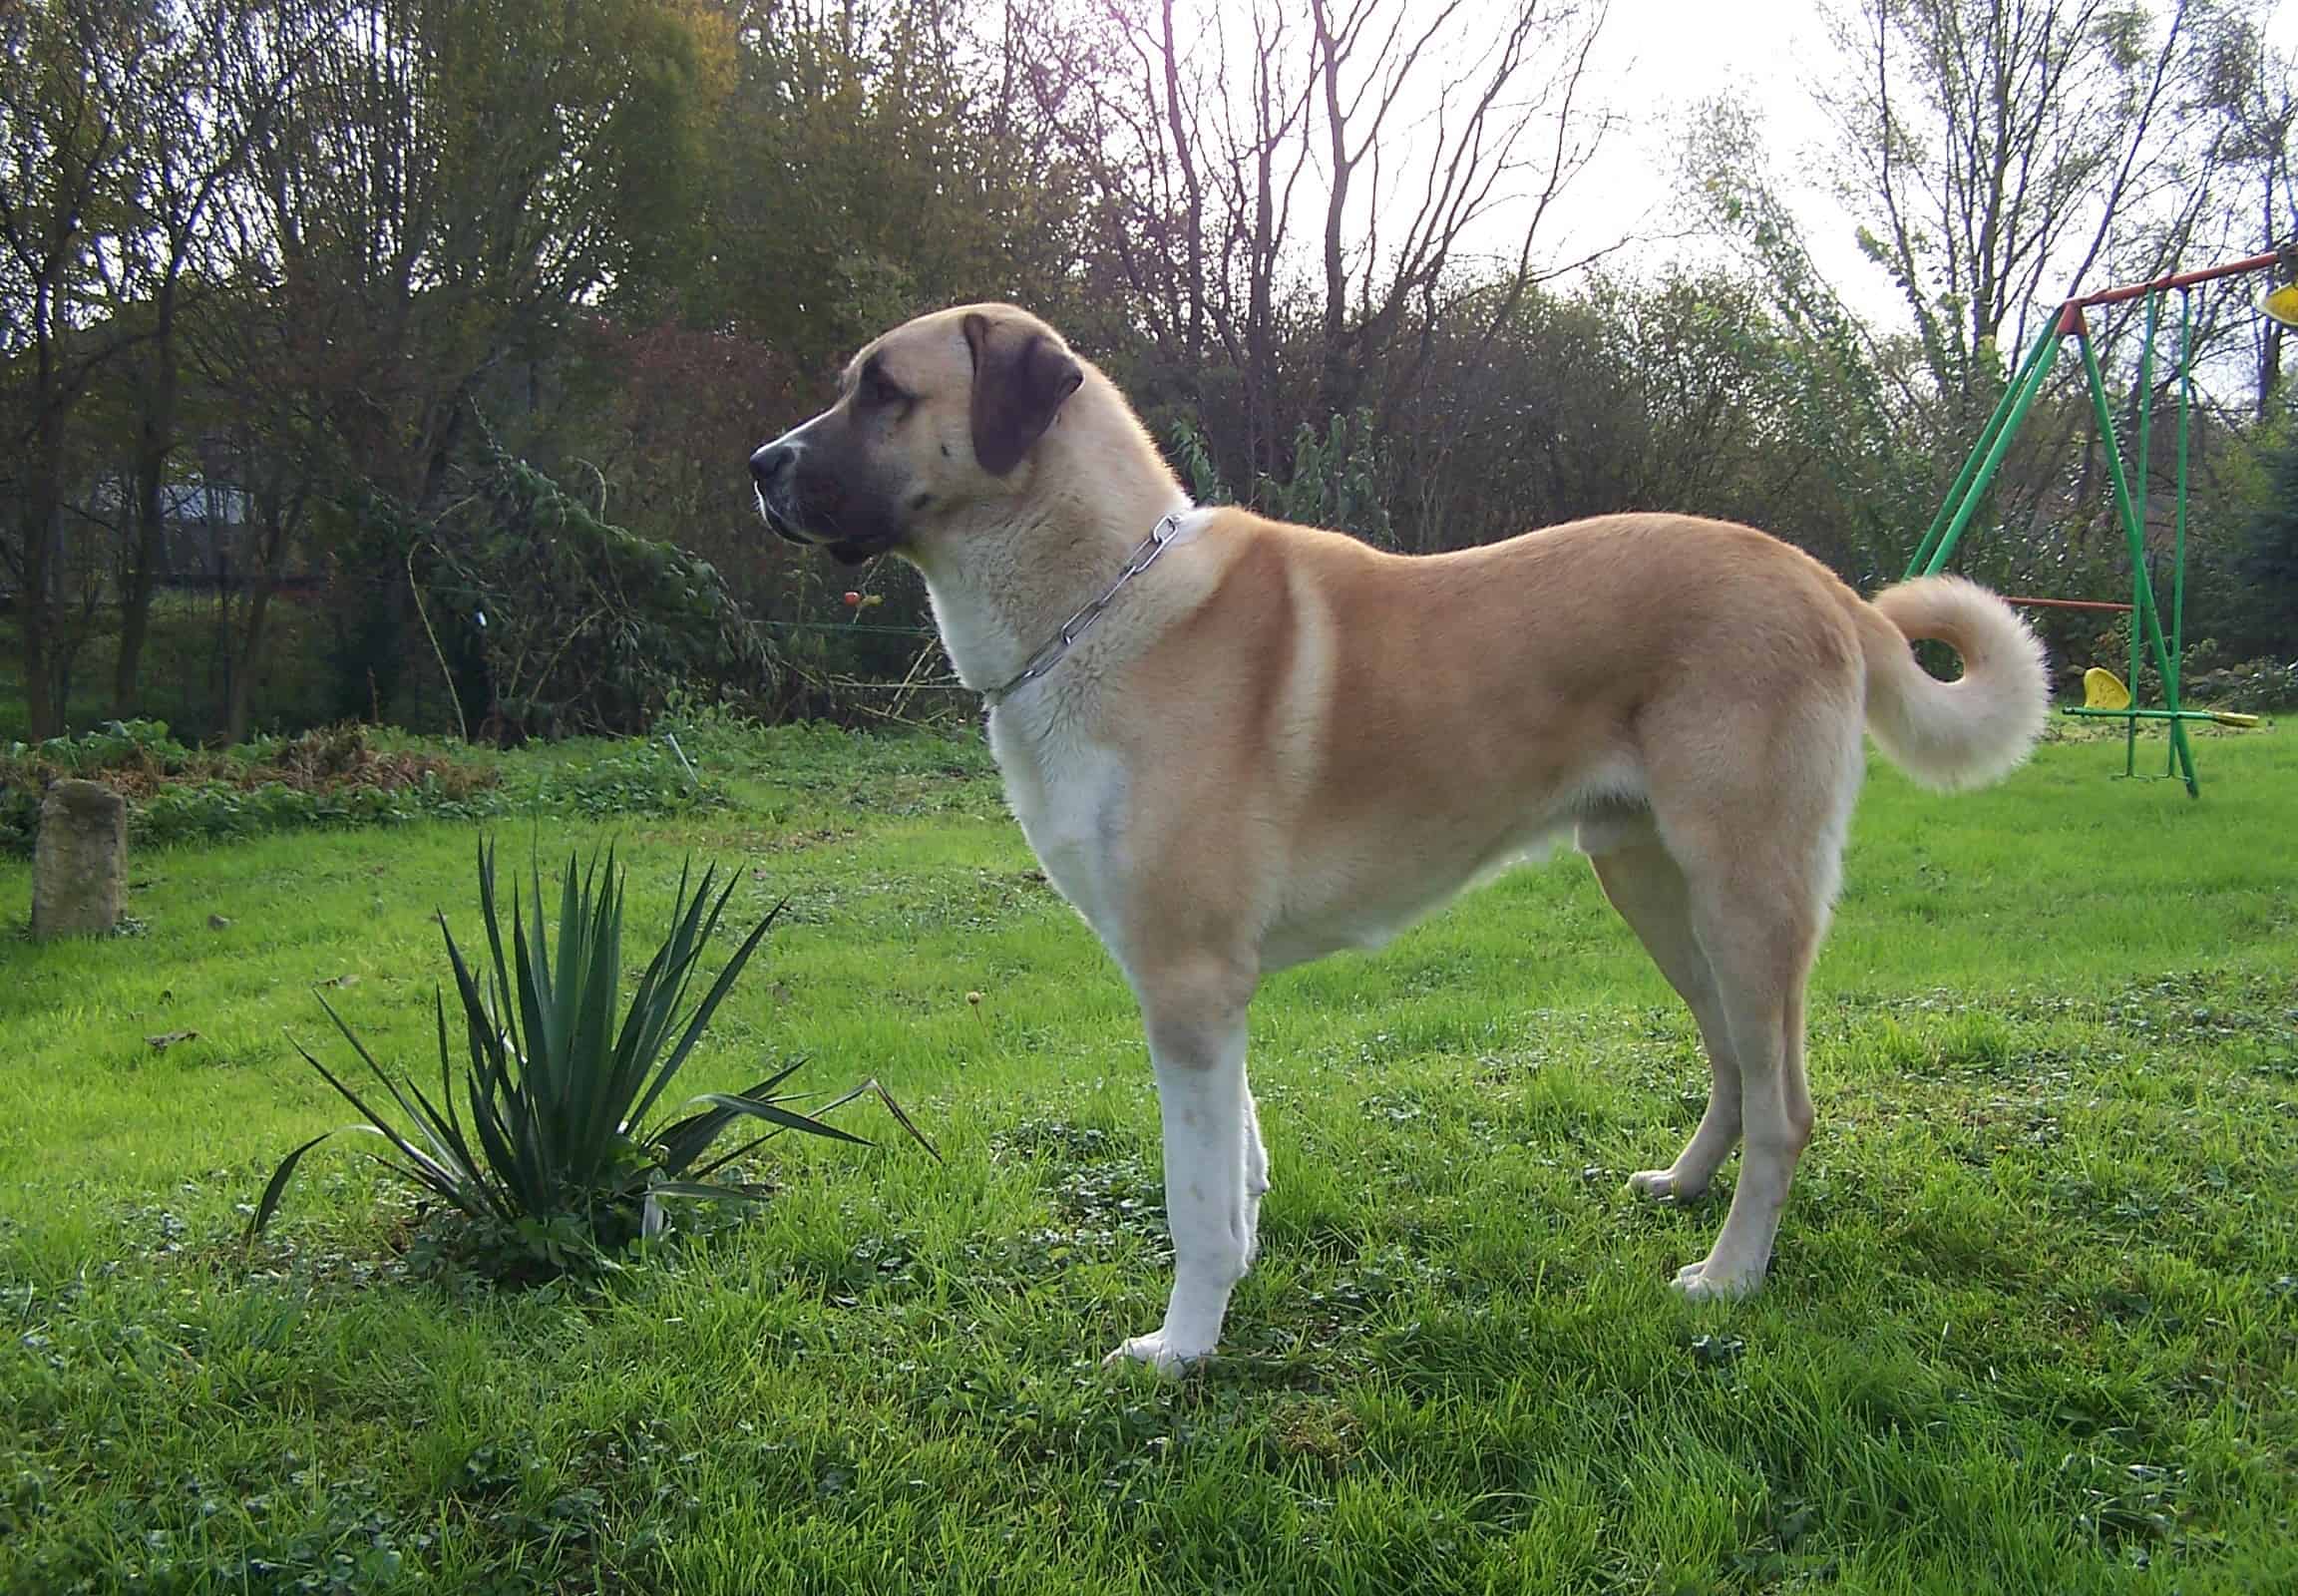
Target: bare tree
(2261, 99)
(1332, 182)
(1498, 134)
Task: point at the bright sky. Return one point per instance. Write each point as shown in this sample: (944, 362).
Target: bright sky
(1656, 61)
(1660, 56)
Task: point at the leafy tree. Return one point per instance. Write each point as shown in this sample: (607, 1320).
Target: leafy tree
(451, 181)
(66, 170)
(1993, 150)
(872, 160)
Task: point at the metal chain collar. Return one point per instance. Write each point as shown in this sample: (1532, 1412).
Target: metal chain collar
(1160, 538)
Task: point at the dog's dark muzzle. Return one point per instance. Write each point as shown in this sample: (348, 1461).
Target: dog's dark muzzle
(773, 474)
(811, 509)
(771, 469)
(781, 527)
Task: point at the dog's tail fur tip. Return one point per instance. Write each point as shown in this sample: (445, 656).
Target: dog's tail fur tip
(1963, 733)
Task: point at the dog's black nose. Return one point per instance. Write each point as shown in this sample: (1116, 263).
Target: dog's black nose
(768, 464)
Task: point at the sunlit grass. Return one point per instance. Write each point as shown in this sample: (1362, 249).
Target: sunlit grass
(2032, 1325)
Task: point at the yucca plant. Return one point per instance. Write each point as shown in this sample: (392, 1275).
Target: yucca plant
(550, 1155)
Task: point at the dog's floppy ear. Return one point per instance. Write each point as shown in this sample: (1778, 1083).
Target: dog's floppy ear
(1021, 377)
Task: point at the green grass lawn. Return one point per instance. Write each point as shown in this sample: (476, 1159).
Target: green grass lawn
(2032, 1324)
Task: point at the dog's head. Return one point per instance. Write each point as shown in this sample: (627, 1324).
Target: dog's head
(934, 420)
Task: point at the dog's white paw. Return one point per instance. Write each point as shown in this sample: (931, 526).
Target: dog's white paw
(1662, 1185)
(1708, 1281)
(1165, 1356)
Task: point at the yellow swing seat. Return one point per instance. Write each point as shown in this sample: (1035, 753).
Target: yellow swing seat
(2102, 689)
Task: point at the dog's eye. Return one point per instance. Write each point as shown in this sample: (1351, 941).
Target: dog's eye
(880, 393)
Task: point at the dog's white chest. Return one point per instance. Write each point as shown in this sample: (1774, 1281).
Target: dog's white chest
(1069, 799)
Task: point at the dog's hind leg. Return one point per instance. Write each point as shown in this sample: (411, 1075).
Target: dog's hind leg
(1196, 1024)
(1760, 971)
(1256, 1175)
(1648, 889)
(1760, 896)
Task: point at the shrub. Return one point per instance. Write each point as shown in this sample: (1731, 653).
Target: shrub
(345, 775)
(557, 1168)
(550, 620)
(2251, 685)
(1337, 479)
(2205, 676)
(640, 776)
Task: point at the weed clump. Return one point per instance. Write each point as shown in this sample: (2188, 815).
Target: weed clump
(552, 1164)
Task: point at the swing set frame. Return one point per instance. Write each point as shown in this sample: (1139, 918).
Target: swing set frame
(2148, 639)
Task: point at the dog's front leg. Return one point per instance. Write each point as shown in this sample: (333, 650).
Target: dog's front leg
(1197, 1042)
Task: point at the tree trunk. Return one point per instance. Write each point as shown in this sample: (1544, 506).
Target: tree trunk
(242, 663)
(39, 681)
(37, 603)
(2270, 347)
(154, 439)
(279, 515)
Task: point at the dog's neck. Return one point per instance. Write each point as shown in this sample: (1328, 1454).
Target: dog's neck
(1002, 588)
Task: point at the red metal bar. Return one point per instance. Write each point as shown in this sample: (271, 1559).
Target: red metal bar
(2180, 280)
(2070, 603)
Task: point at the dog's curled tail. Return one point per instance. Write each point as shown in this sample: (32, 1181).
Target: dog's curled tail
(1962, 733)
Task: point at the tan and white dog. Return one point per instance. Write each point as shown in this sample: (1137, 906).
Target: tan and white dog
(1237, 745)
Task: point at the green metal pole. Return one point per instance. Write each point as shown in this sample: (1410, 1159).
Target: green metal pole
(2142, 617)
(1979, 451)
(2020, 399)
(2138, 576)
(2178, 547)
(2140, 592)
